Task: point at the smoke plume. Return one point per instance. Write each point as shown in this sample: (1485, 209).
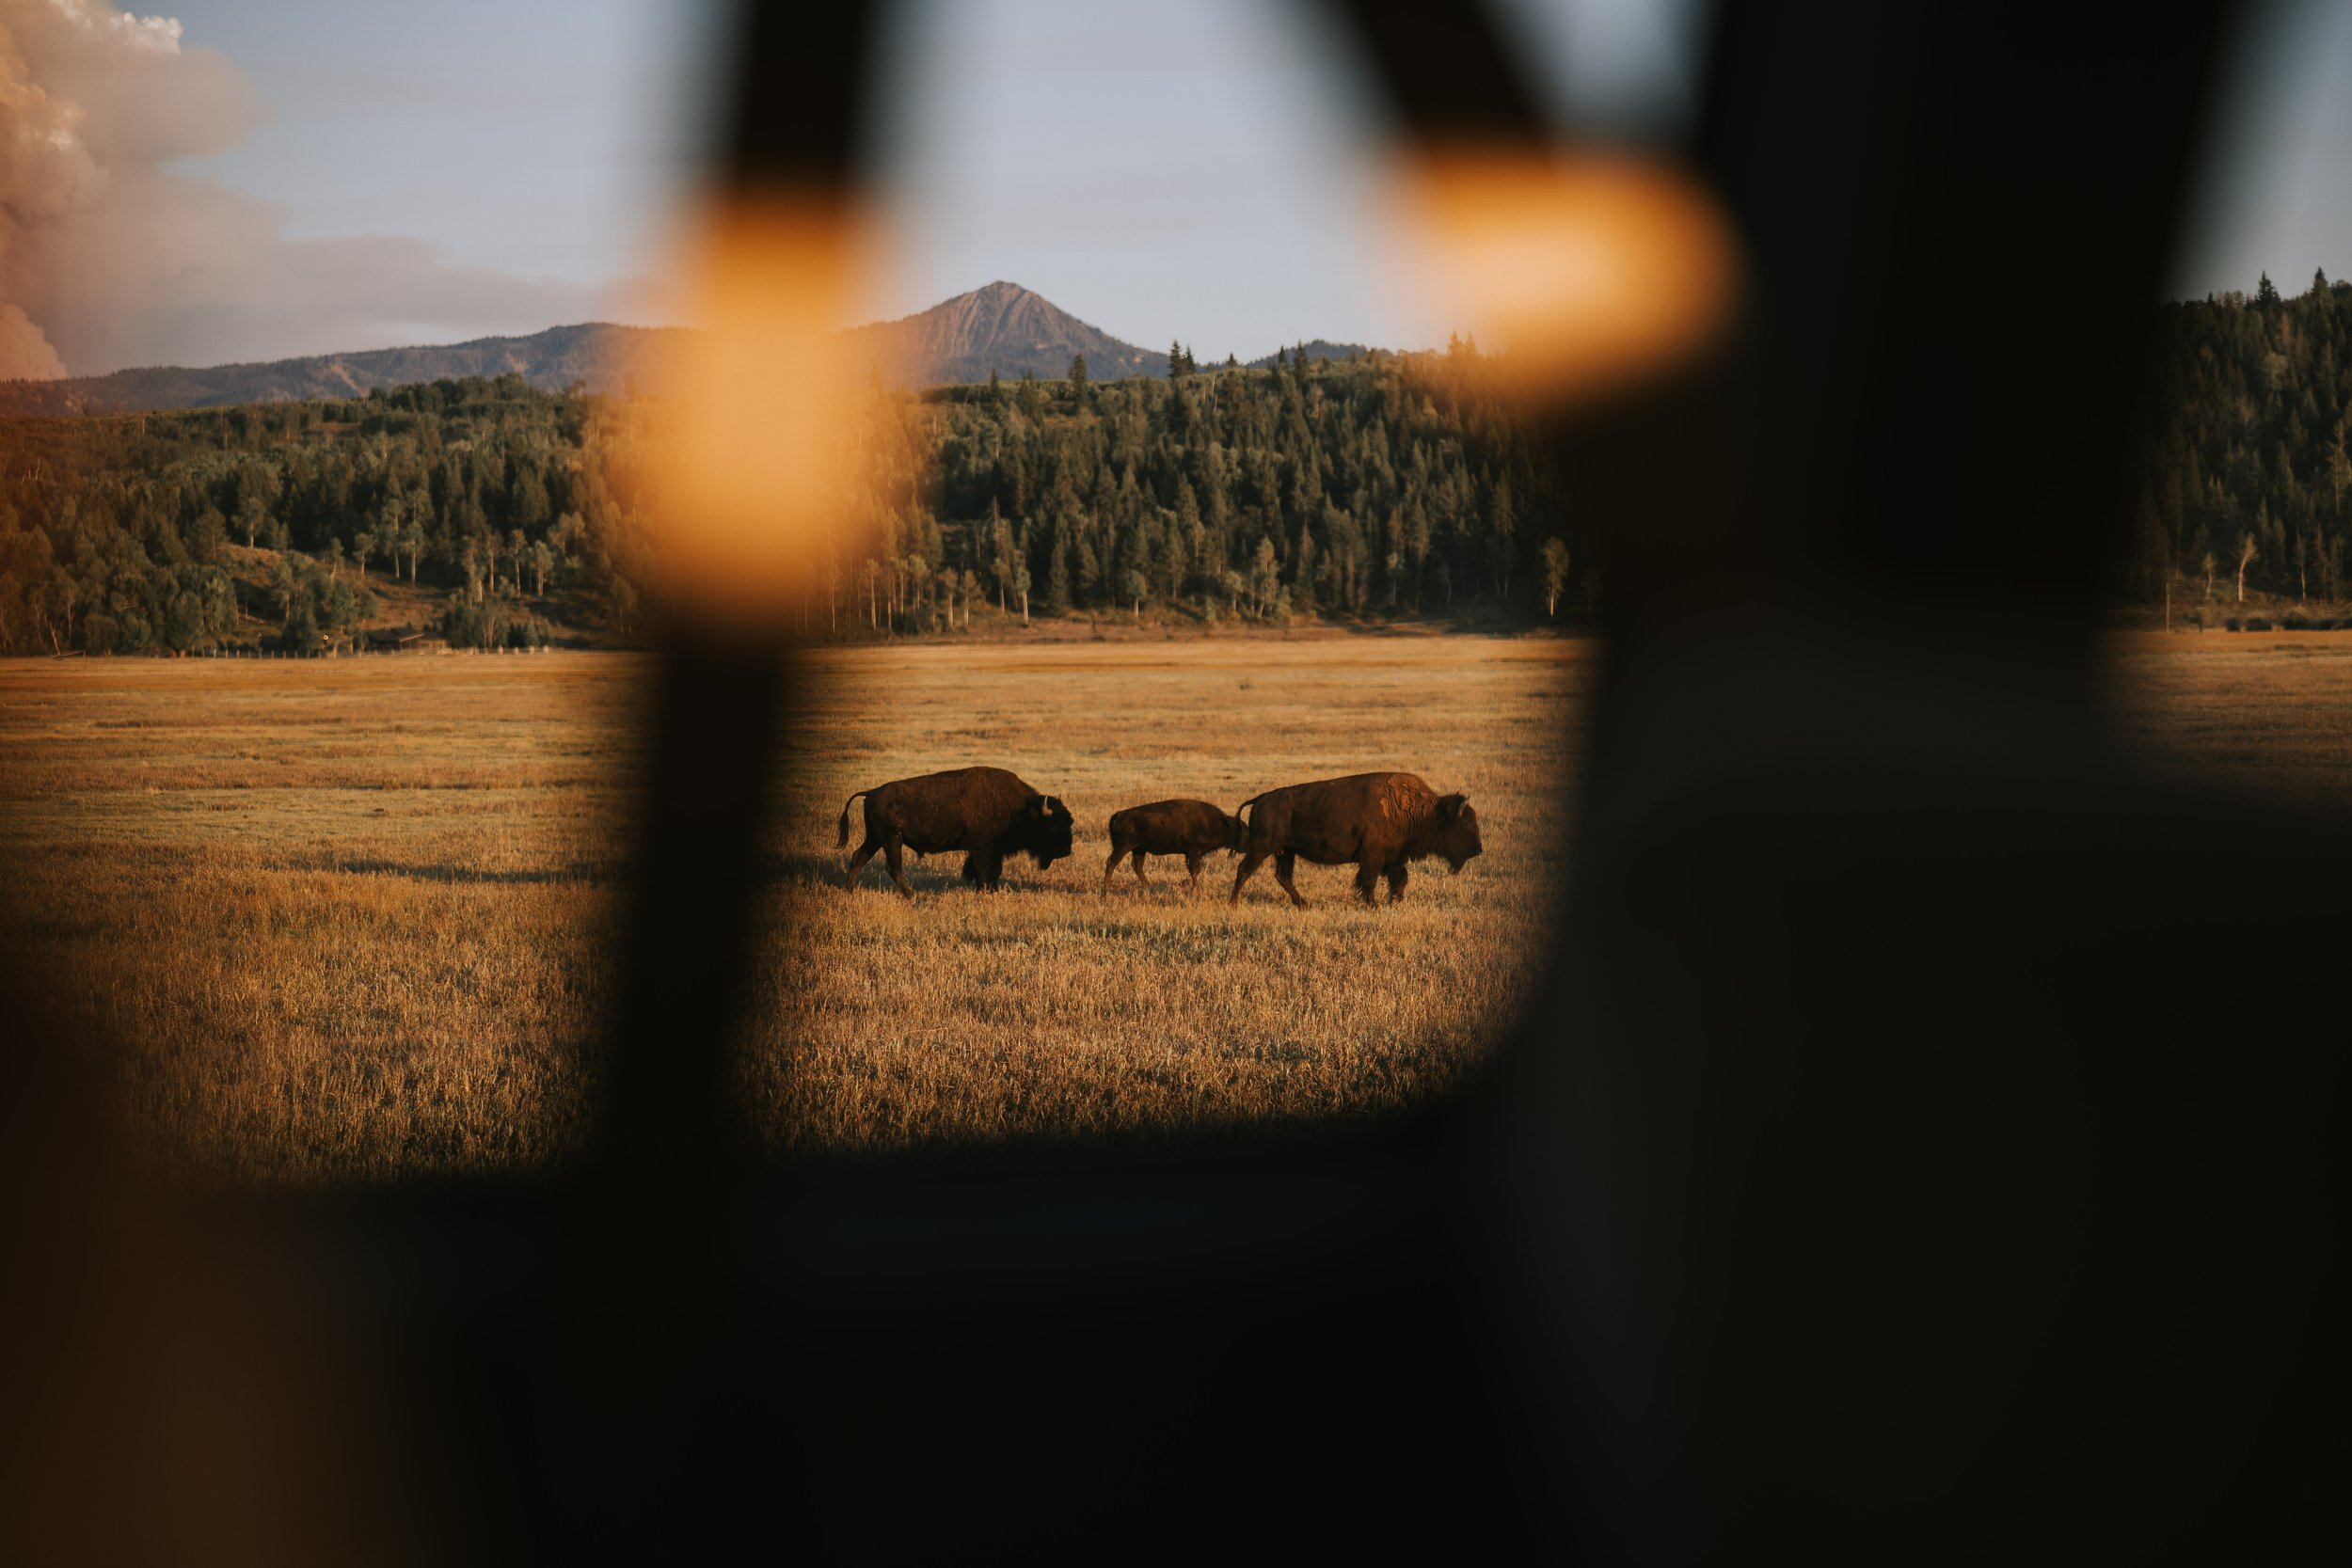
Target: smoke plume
(110, 258)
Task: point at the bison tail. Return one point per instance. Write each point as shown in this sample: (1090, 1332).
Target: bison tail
(844, 841)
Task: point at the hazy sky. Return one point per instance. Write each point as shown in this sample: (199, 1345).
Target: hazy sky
(1162, 168)
(533, 137)
(1192, 169)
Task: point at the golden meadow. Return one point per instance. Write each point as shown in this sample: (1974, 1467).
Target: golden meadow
(348, 919)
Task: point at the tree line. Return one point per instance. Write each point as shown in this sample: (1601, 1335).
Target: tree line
(1388, 486)
(1379, 485)
(1397, 486)
(2245, 465)
(168, 533)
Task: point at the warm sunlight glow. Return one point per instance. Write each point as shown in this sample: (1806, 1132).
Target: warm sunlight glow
(757, 464)
(1587, 271)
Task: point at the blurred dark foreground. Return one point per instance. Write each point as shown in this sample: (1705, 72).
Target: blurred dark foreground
(1889, 1171)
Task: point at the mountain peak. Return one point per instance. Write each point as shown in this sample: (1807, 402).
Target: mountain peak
(1000, 328)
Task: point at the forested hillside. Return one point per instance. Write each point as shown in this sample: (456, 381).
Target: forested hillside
(2247, 473)
(1319, 488)
(182, 532)
(1364, 489)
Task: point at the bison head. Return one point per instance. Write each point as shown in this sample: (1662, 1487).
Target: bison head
(1456, 838)
(1043, 830)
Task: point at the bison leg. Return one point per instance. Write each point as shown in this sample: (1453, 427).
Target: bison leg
(1249, 864)
(985, 867)
(1118, 853)
(894, 852)
(1367, 880)
(1192, 870)
(1284, 864)
(1139, 876)
(1396, 875)
(857, 862)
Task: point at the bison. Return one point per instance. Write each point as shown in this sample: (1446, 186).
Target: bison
(985, 811)
(1193, 829)
(1379, 821)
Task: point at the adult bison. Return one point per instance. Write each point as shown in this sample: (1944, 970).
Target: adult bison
(1379, 821)
(1193, 829)
(985, 811)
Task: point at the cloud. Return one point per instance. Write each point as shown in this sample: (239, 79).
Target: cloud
(109, 257)
(25, 351)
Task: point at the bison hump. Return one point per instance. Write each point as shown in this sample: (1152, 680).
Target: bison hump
(1400, 798)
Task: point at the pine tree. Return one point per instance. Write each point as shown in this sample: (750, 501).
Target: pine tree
(1058, 572)
(1505, 525)
(2151, 565)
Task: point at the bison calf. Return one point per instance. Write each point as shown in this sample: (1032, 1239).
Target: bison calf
(1193, 829)
(1380, 822)
(985, 811)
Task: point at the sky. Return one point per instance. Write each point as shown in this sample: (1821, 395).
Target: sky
(2275, 191)
(346, 177)
(1161, 169)
(529, 137)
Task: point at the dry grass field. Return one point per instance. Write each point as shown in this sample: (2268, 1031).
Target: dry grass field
(344, 916)
(1053, 1006)
(2269, 712)
(352, 918)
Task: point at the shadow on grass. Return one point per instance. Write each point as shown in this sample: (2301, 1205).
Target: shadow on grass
(578, 871)
(938, 873)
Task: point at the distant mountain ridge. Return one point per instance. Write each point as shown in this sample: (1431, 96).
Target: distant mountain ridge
(602, 355)
(1001, 327)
